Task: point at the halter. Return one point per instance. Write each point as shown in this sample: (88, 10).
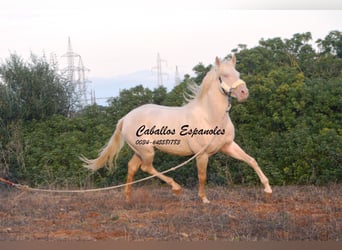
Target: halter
(224, 87)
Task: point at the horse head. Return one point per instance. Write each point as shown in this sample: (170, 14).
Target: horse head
(229, 78)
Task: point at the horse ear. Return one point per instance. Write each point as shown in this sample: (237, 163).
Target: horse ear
(217, 61)
(233, 60)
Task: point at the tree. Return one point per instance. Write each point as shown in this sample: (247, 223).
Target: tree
(200, 70)
(292, 113)
(36, 88)
(176, 96)
(159, 94)
(129, 99)
(29, 91)
(331, 44)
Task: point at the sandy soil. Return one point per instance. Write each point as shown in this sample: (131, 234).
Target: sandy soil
(234, 214)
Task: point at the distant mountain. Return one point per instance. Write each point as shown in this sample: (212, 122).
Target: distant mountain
(110, 87)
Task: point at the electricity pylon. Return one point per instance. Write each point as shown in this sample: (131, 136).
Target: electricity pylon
(75, 72)
(159, 70)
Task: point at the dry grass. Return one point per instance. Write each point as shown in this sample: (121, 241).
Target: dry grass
(235, 214)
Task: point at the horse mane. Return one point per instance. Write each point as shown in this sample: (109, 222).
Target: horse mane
(197, 92)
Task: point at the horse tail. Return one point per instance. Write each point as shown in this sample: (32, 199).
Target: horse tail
(108, 152)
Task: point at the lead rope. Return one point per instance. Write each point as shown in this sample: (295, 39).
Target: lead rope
(27, 188)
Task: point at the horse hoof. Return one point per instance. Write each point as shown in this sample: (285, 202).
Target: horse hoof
(177, 191)
(205, 200)
(268, 188)
(268, 198)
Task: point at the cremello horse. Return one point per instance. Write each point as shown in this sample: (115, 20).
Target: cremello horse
(202, 125)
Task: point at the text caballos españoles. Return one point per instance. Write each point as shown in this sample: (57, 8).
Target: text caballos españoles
(183, 131)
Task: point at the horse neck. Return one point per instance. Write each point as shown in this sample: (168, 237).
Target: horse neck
(214, 103)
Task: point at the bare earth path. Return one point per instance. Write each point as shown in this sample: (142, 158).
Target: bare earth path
(234, 214)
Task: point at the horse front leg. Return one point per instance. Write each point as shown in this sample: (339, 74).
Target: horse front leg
(202, 162)
(236, 152)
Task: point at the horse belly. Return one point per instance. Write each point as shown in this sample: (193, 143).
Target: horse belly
(209, 144)
(179, 148)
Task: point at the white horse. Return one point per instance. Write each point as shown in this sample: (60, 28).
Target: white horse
(201, 126)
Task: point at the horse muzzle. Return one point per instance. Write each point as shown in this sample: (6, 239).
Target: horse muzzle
(238, 90)
(241, 92)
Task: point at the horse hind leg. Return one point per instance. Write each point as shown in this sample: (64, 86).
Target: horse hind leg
(133, 166)
(147, 166)
(176, 188)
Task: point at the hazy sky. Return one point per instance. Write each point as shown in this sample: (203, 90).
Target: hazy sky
(116, 38)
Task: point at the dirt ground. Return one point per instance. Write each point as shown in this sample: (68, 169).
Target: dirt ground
(234, 214)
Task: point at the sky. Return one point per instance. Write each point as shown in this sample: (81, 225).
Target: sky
(120, 38)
